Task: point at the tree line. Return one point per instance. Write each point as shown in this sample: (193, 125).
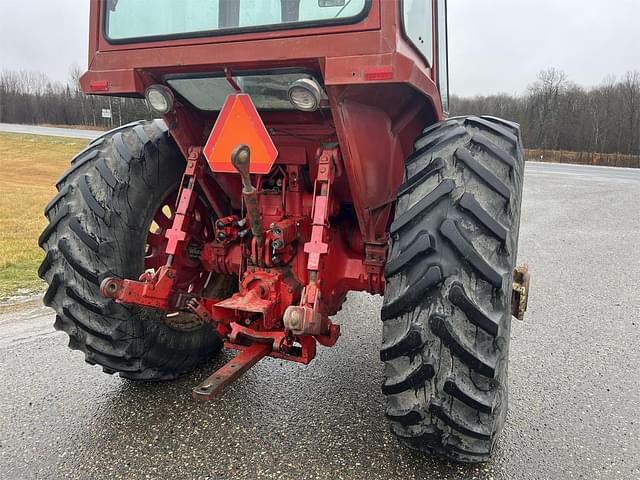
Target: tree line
(33, 98)
(555, 113)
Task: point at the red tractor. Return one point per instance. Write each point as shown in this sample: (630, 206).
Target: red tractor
(301, 150)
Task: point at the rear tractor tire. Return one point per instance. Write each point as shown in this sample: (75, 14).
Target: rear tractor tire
(113, 205)
(447, 305)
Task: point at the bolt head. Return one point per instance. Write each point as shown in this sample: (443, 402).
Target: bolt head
(295, 319)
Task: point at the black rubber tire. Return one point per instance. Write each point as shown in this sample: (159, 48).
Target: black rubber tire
(447, 303)
(98, 225)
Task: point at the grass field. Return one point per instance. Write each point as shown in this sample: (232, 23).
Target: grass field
(29, 167)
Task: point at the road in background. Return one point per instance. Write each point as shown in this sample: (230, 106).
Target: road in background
(534, 167)
(574, 377)
(586, 172)
(49, 131)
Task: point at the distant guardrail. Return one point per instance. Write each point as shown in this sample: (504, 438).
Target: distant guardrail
(584, 158)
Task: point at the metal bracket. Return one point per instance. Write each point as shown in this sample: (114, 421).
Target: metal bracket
(309, 318)
(520, 295)
(375, 259)
(178, 233)
(150, 291)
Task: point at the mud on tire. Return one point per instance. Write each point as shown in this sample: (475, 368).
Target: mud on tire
(447, 305)
(98, 226)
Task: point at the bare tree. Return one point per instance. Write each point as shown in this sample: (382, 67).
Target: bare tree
(630, 95)
(544, 95)
(31, 97)
(554, 113)
(557, 114)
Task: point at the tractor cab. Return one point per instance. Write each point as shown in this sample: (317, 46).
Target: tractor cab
(146, 24)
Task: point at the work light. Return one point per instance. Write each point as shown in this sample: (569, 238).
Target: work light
(160, 99)
(305, 95)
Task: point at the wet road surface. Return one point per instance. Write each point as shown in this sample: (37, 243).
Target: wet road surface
(574, 377)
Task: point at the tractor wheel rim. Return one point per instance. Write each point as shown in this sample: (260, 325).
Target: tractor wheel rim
(192, 277)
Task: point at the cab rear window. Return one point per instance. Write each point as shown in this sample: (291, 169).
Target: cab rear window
(139, 20)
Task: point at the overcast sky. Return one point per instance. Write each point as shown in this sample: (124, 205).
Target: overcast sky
(495, 45)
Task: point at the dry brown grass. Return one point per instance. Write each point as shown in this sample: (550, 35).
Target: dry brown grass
(29, 167)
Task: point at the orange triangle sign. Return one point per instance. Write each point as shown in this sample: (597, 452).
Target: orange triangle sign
(239, 123)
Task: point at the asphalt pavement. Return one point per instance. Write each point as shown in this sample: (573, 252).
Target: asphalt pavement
(49, 131)
(574, 377)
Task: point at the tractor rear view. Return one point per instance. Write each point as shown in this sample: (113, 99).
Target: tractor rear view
(301, 150)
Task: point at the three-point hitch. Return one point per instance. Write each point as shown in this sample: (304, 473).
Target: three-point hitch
(279, 308)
